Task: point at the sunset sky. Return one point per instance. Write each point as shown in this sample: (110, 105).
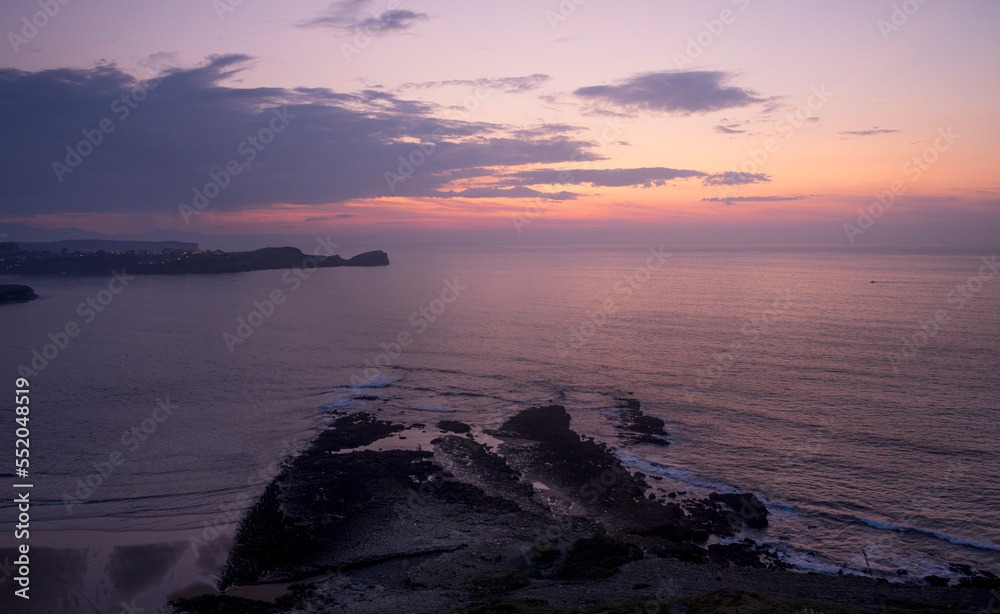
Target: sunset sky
(585, 120)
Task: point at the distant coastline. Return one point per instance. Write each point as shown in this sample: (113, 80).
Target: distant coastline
(15, 260)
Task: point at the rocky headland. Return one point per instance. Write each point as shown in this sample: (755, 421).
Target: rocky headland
(531, 517)
(177, 262)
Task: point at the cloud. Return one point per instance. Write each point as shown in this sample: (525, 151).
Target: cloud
(544, 129)
(736, 178)
(874, 131)
(507, 85)
(188, 127)
(751, 199)
(608, 178)
(516, 192)
(348, 15)
(624, 177)
(677, 92)
(730, 129)
(326, 218)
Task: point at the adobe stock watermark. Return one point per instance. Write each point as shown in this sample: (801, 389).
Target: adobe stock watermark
(993, 607)
(750, 334)
(231, 513)
(562, 12)
(420, 321)
(899, 17)
(264, 309)
(32, 24)
(622, 291)
(422, 152)
(532, 211)
(913, 169)
(130, 441)
(131, 608)
(786, 128)
(122, 108)
(224, 7)
(714, 28)
(956, 300)
(249, 148)
(88, 309)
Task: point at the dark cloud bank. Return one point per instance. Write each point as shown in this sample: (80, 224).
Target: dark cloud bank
(99, 140)
(678, 92)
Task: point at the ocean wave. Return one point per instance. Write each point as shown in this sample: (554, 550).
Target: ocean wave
(778, 505)
(382, 381)
(958, 541)
(679, 474)
(439, 409)
(340, 402)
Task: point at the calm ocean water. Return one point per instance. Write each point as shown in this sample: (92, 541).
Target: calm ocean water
(782, 372)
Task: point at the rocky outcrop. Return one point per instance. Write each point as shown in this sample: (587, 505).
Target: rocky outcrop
(367, 520)
(12, 293)
(637, 427)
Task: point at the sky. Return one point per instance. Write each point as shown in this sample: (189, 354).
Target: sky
(852, 123)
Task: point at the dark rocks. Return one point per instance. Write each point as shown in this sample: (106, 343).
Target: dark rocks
(542, 555)
(277, 532)
(431, 531)
(598, 557)
(541, 442)
(539, 423)
(454, 426)
(746, 553)
(472, 462)
(221, 604)
(588, 472)
(13, 293)
(725, 514)
(681, 551)
(975, 578)
(750, 509)
(499, 582)
(514, 606)
(936, 580)
(628, 403)
(354, 431)
(639, 427)
(364, 397)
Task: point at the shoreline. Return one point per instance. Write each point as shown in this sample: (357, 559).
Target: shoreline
(379, 513)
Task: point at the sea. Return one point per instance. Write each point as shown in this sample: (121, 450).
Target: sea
(855, 391)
